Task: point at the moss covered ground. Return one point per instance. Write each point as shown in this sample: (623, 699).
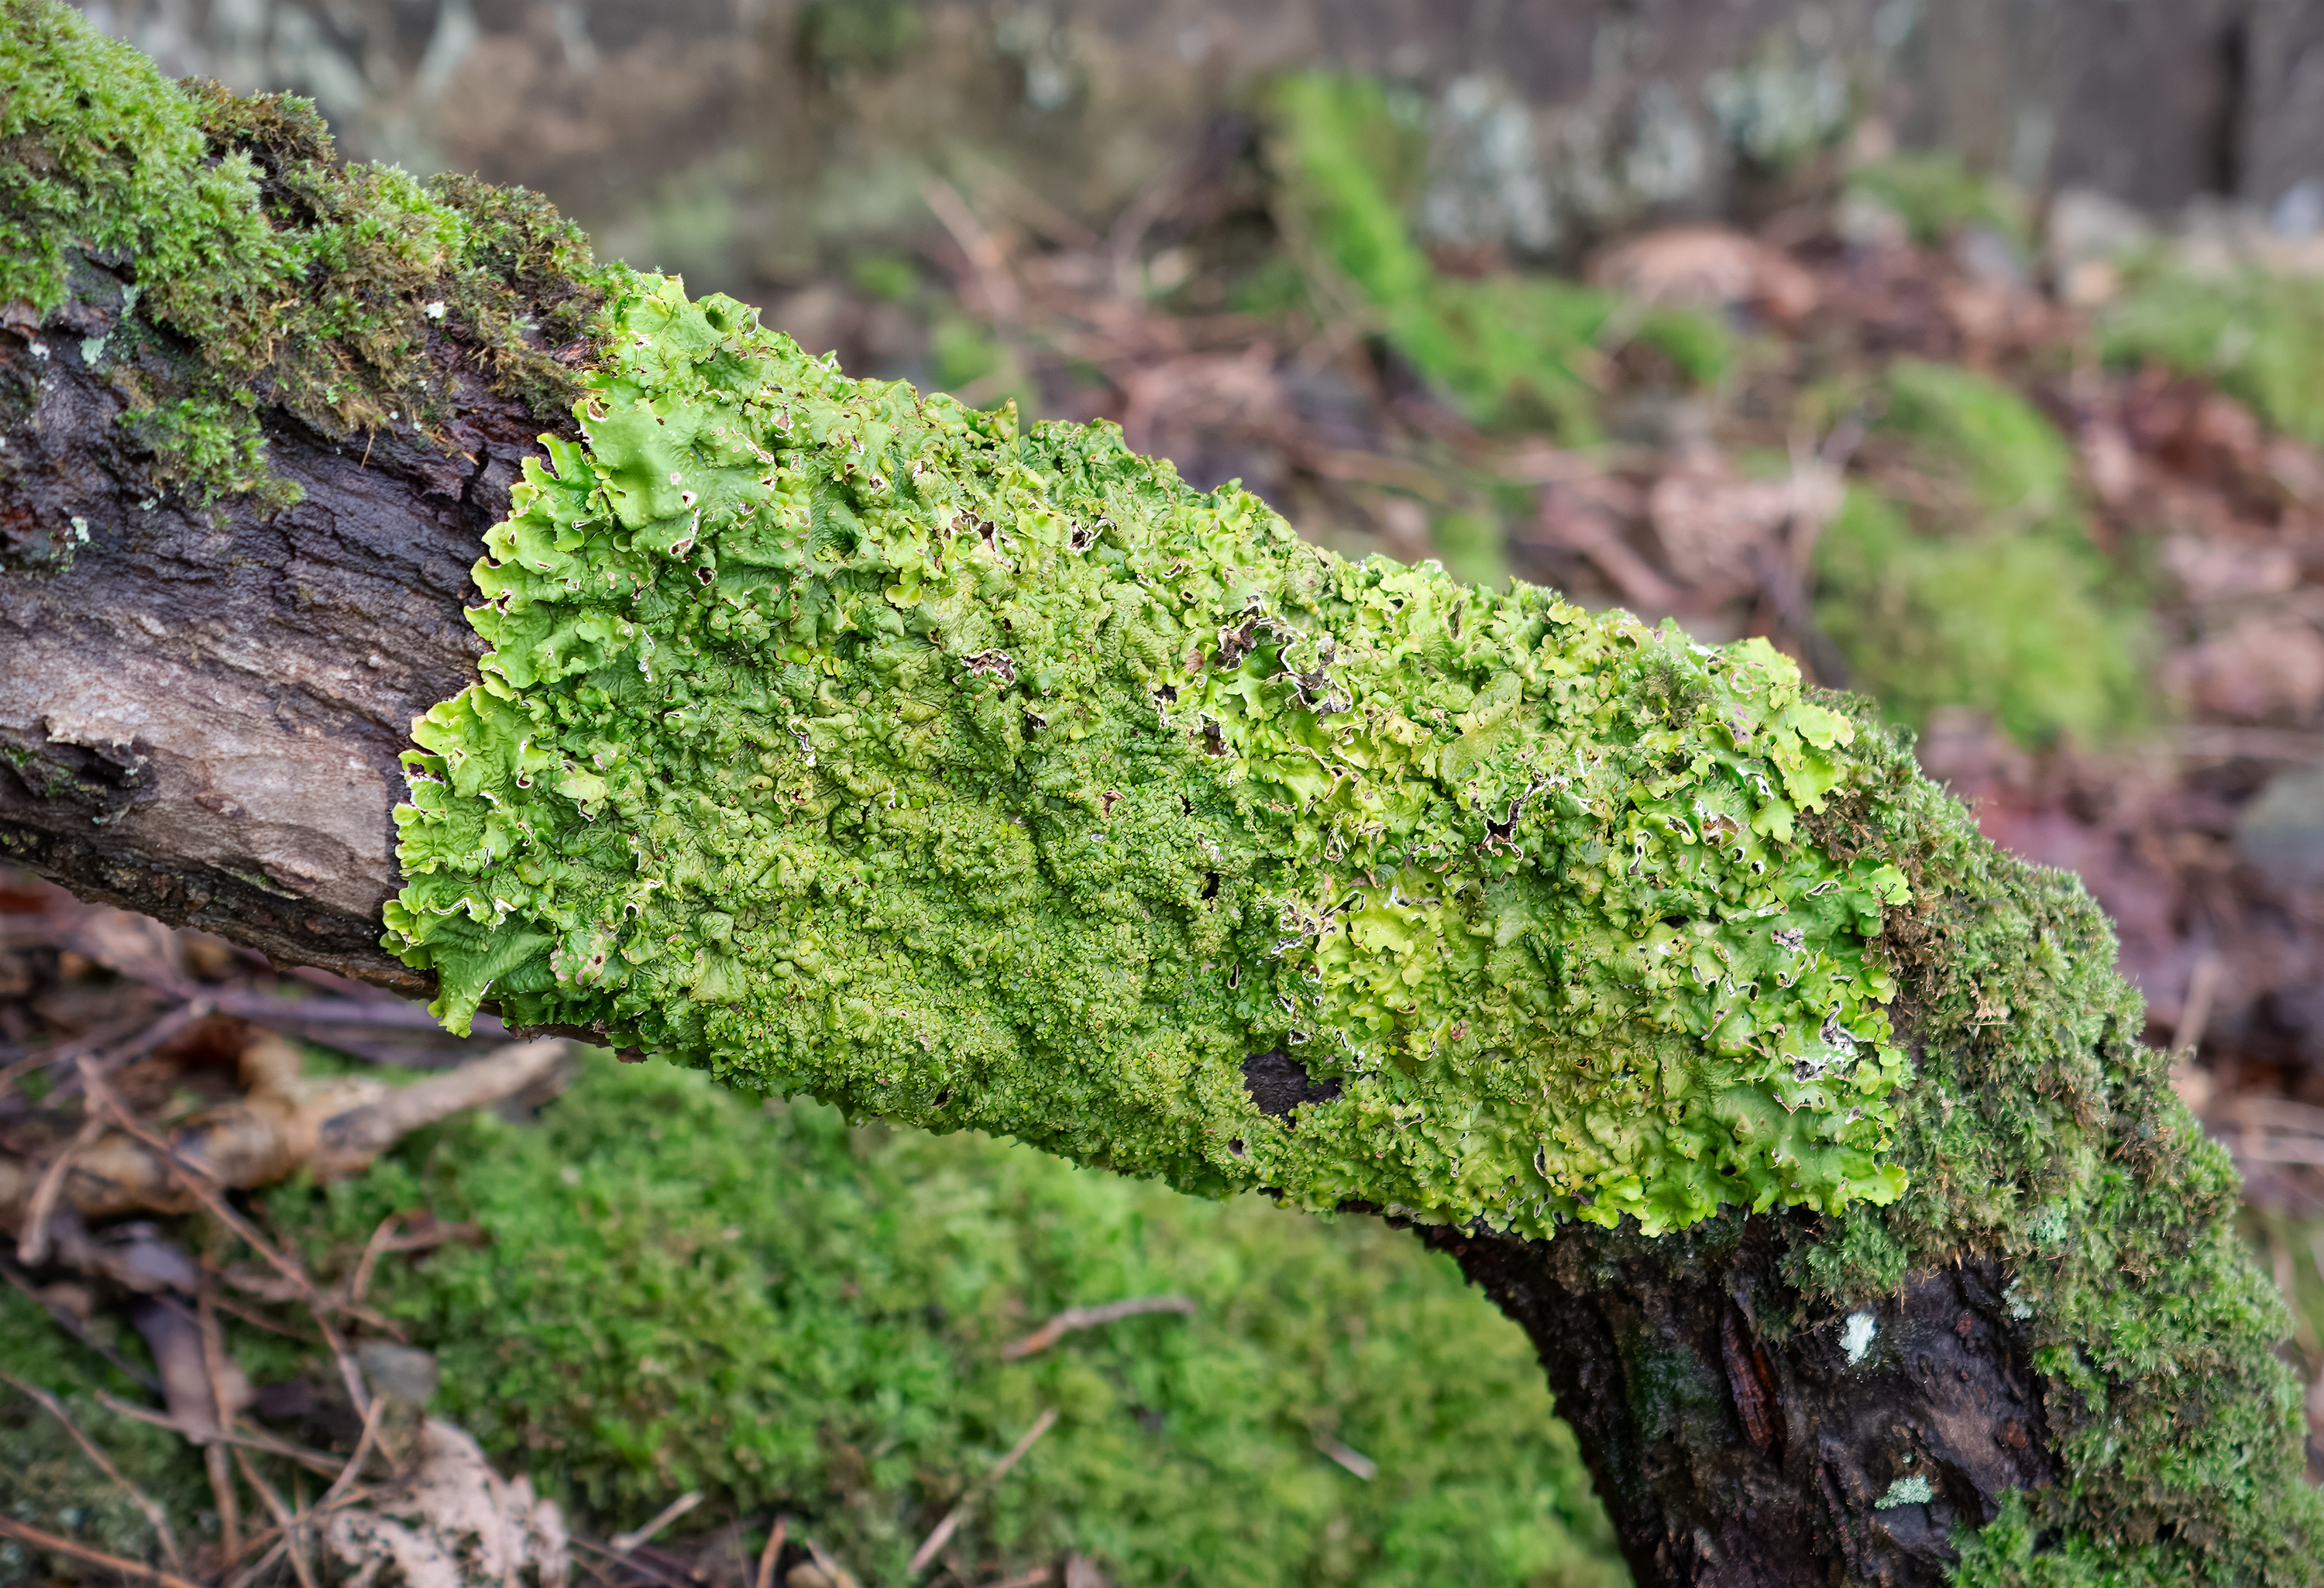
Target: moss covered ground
(676, 1286)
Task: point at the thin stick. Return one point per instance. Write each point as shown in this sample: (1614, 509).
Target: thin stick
(831, 1568)
(1092, 1317)
(217, 1464)
(349, 1373)
(355, 1462)
(774, 1547)
(194, 1180)
(33, 1244)
(258, 1567)
(314, 1460)
(89, 1448)
(360, 1282)
(646, 1567)
(935, 1541)
(214, 1457)
(283, 1518)
(623, 1543)
(24, 1533)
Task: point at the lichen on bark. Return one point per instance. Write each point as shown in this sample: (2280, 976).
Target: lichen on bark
(839, 741)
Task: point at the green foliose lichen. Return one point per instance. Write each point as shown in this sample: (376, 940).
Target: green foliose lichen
(837, 741)
(262, 273)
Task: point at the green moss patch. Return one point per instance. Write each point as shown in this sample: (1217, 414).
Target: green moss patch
(2260, 336)
(258, 272)
(1510, 351)
(1963, 574)
(674, 1288)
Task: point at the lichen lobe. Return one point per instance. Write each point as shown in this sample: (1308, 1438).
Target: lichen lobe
(836, 739)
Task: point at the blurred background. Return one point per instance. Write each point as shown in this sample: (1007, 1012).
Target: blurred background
(1971, 351)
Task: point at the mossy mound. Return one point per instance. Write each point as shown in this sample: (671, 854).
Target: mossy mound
(1964, 574)
(1509, 350)
(252, 271)
(2259, 335)
(677, 1288)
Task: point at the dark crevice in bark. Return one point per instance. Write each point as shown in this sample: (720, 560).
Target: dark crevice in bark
(1733, 1438)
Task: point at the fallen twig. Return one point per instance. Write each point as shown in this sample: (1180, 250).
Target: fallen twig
(774, 1548)
(329, 1466)
(26, 1534)
(1092, 1317)
(944, 1531)
(623, 1543)
(154, 1514)
(841, 1577)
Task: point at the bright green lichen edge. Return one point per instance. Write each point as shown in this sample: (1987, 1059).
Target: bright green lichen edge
(838, 741)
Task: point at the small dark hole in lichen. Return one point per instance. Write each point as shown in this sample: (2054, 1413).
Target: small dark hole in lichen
(1675, 920)
(943, 1097)
(1210, 884)
(1236, 1147)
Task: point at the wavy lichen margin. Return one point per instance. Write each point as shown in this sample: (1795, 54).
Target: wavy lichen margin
(836, 739)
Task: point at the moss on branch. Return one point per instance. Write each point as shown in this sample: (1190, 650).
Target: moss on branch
(249, 269)
(837, 740)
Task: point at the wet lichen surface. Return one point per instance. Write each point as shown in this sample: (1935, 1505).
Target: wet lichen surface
(838, 741)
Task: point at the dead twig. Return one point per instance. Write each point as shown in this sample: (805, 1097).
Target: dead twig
(768, 1555)
(623, 1543)
(1093, 1317)
(194, 1178)
(945, 1529)
(32, 1238)
(283, 1519)
(154, 1514)
(24, 1533)
(841, 1577)
(346, 1480)
(329, 1466)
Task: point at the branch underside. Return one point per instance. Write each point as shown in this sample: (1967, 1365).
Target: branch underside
(1731, 1452)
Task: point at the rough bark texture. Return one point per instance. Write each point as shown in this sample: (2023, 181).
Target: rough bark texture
(1733, 1445)
(200, 717)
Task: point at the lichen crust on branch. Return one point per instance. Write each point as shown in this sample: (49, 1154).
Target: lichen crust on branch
(836, 739)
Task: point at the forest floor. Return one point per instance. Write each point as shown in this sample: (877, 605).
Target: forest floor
(2046, 483)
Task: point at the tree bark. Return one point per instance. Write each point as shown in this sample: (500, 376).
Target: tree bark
(200, 715)
(1730, 1452)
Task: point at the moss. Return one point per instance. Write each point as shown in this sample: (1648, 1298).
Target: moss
(2039, 1128)
(683, 1290)
(833, 742)
(2259, 335)
(1937, 196)
(258, 272)
(1511, 351)
(674, 1288)
(1985, 592)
